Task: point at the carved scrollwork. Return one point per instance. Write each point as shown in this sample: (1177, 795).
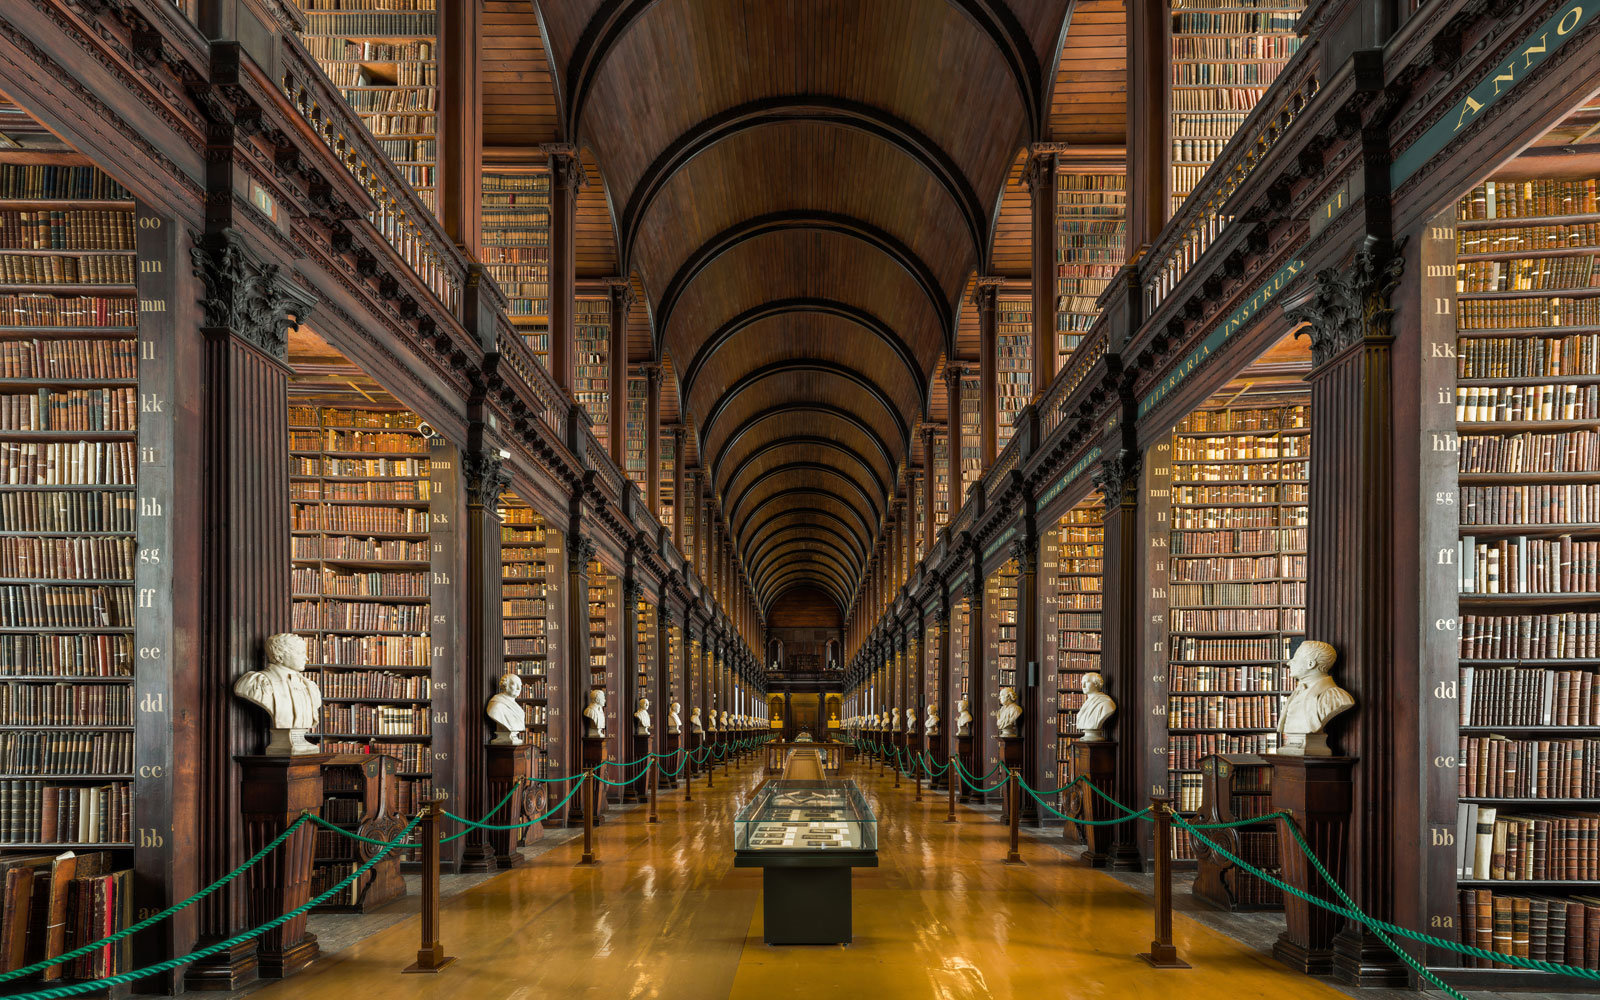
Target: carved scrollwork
(583, 549)
(486, 478)
(254, 300)
(1118, 477)
(1352, 304)
(1025, 553)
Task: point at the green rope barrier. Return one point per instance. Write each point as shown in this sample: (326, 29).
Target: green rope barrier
(75, 989)
(154, 919)
(980, 788)
(619, 784)
(975, 777)
(1141, 814)
(515, 826)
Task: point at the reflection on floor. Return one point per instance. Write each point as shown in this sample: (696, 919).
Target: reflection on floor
(665, 915)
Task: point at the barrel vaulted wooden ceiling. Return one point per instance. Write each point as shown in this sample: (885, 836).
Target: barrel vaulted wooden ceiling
(803, 189)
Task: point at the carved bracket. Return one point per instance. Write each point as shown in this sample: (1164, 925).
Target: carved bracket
(1351, 304)
(486, 478)
(253, 300)
(1118, 477)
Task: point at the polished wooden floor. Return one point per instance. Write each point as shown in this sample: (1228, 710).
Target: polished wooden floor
(666, 915)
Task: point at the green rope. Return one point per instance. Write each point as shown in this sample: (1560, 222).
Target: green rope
(59, 992)
(980, 788)
(158, 917)
(975, 777)
(619, 784)
(515, 826)
(1141, 814)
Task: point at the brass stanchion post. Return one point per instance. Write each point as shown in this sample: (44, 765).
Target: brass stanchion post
(588, 818)
(1014, 808)
(688, 776)
(1162, 954)
(951, 777)
(711, 770)
(430, 955)
(916, 772)
(897, 770)
(655, 767)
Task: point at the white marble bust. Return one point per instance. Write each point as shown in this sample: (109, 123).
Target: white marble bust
(695, 725)
(963, 718)
(711, 721)
(931, 724)
(911, 721)
(1097, 709)
(894, 719)
(641, 718)
(1316, 700)
(510, 721)
(725, 725)
(286, 694)
(595, 715)
(674, 719)
(1009, 713)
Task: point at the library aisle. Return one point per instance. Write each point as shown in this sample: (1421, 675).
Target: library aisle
(666, 915)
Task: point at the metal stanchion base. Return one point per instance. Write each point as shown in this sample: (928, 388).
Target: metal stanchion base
(1016, 860)
(438, 965)
(1163, 958)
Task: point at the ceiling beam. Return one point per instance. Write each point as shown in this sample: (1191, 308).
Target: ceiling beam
(815, 441)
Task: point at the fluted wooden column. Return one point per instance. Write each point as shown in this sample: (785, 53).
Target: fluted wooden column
(1040, 177)
(580, 550)
(954, 373)
(458, 185)
(1118, 480)
(484, 478)
(929, 468)
(986, 296)
(566, 179)
(679, 502)
(619, 297)
(652, 439)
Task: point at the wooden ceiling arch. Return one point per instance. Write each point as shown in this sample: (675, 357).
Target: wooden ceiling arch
(832, 368)
(790, 410)
(873, 515)
(817, 519)
(865, 535)
(759, 544)
(812, 573)
(816, 442)
(811, 548)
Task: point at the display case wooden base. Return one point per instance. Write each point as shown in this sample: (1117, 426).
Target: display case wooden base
(1097, 763)
(507, 765)
(594, 754)
(273, 794)
(1316, 792)
(670, 744)
(965, 751)
(1012, 751)
(637, 791)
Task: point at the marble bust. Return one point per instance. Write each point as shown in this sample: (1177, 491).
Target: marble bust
(1315, 701)
(725, 725)
(894, 719)
(911, 721)
(963, 718)
(595, 715)
(930, 725)
(1009, 713)
(695, 725)
(288, 696)
(641, 718)
(883, 722)
(510, 721)
(1097, 709)
(674, 720)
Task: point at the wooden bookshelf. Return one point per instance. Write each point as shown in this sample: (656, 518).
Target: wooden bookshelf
(635, 421)
(1225, 53)
(381, 56)
(516, 249)
(527, 572)
(941, 478)
(604, 655)
(1091, 238)
(919, 506)
(1071, 566)
(645, 663)
(1013, 363)
(669, 462)
(1000, 663)
(592, 363)
(971, 446)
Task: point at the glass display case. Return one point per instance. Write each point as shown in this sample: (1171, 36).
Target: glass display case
(788, 815)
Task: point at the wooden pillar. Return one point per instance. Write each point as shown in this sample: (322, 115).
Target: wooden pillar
(249, 307)
(1351, 599)
(652, 439)
(986, 296)
(1040, 176)
(1122, 628)
(458, 180)
(1147, 126)
(1038, 719)
(928, 472)
(679, 502)
(953, 375)
(619, 295)
(566, 179)
(484, 478)
(580, 550)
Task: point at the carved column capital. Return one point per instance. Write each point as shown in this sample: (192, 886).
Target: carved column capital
(485, 478)
(1026, 554)
(583, 550)
(254, 300)
(986, 292)
(1351, 304)
(653, 375)
(953, 374)
(1039, 175)
(566, 165)
(1118, 477)
(621, 294)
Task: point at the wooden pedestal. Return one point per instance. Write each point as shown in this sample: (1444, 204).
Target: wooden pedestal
(638, 791)
(964, 750)
(1011, 752)
(913, 751)
(934, 745)
(371, 778)
(692, 742)
(1096, 762)
(275, 791)
(670, 742)
(1316, 791)
(594, 754)
(506, 764)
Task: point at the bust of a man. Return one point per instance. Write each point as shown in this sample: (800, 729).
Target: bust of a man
(894, 719)
(595, 715)
(695, 725)
(510, 721)
(1316, 700)
(931, 724)
(674, 719)
(1009, 712)
(963, 718)
(1097, 708)
(286, 694)
(725, 722)
(911, 721)
(641, 718)
(883, 721)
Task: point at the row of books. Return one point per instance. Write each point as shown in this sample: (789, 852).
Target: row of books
(1253, 711)
(1528, 696)
(1530, 451)
(1523, 565)
(407, 489)
(1239, 595)
(376, 720)
(336, 49)
(1550, 636)
(1186, 750)
(1242, 22)
(42, 812)
(1530, 274)
(1187, 517)
(60, 755)
(1257, 677)
(344, 547)
(60, 704)
(58, 182)
(527, 627)
(1295, 416)
(1528, 239)
(1498, 767)
(1501, 199)
(414, 758)
(1507, 314)
(1251, 46)
(66, 229)
(372, 651)
(1239, 620)
(89, 557)
(54, 903)
(340, 417)
(69, 655)
(1554, 503)
(1528, 357)
(36, 605)
(359, 468)
(59, 463)
(338, 440)
(361, 616)
(1238, 448)
(1564, 930)
(1274, 470)
(373, 684)
(402, 74)
(1229, 541)
(328, 582)
(66, 269)
(39, 310)
(69, 359)
(398, 520)
(1235, 650)
(1209, 74)
(1217, 569)
(72, 410)
(375, 24)
(392, 99)
(1475, 404)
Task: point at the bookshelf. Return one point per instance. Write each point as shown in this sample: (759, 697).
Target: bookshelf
(1235, 588)
(591, 385)
(1225, 53)
(1526, 537)
(1091, 224)
(1013, 363)
(366, 486)
(603, 652)
(1072, 565)
(645, 670)
(526, 574)
(516, 249)
(1237, 787)
(971, 429)
(941, 478)
(669, 463)
(931, 695)
(676, 690)
(381, 56)
(1000, 642)
(635, 421)
(919, 503)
